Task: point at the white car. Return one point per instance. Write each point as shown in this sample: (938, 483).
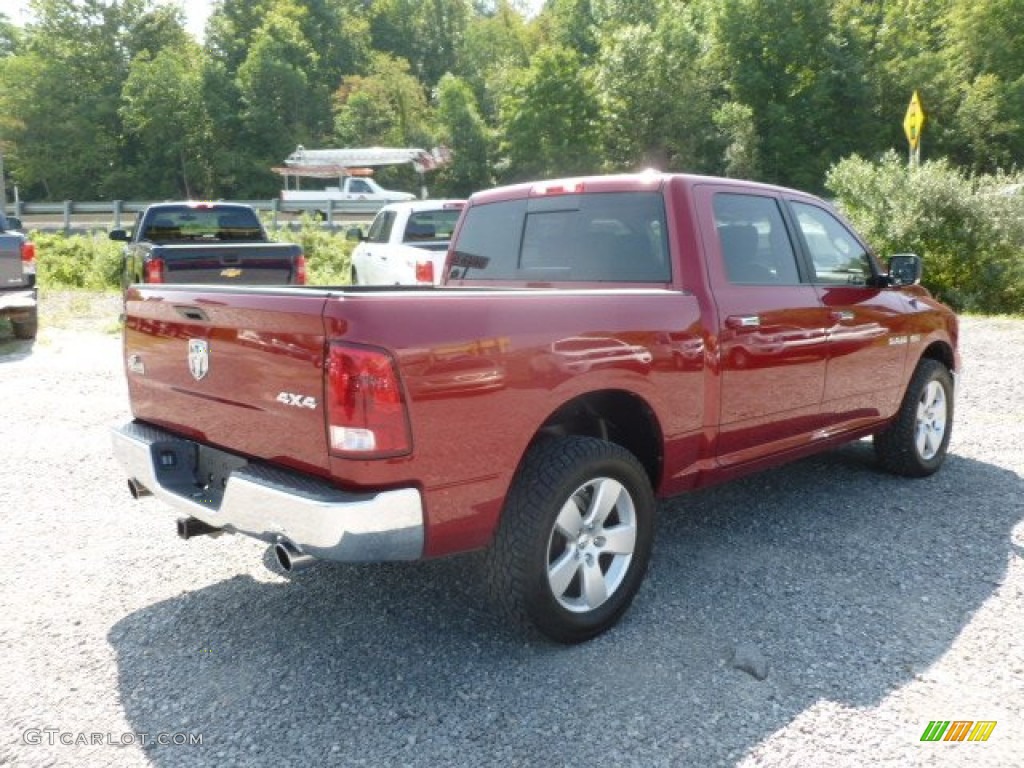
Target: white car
(407, 243)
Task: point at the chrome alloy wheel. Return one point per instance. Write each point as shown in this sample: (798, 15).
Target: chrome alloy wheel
(930, 427)
(591, 545)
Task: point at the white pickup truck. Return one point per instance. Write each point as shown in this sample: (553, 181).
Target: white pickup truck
(349, 189)
(407, 243)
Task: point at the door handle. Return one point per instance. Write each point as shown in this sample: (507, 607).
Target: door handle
(842, 315)
(743, 321)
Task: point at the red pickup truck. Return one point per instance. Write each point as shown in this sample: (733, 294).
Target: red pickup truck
(599, 343)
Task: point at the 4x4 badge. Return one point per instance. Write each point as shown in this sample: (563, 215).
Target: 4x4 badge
(198, 358)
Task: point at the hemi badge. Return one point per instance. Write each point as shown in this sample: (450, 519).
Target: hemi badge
(231, 272)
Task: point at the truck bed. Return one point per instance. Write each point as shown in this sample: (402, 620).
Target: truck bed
(267, 352)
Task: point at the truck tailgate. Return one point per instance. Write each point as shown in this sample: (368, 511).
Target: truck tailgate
(249, 263)
(243, 371)
(11, 271)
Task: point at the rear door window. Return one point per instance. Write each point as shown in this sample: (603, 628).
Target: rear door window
(756, 249)
(380, 229)
(613, 237)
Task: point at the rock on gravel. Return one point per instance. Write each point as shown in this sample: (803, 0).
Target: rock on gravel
(876, 605)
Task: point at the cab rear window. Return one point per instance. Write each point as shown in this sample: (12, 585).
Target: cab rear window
(597, 237)
(431, 225)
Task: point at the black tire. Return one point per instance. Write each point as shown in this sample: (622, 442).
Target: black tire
(354, 279)
(915, 444)
(26, 329)
(607, 552)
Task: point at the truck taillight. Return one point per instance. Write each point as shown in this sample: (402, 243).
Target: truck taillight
(154, 271)
(28, 258)
(425, 272)
(366, 414)
(300, 269)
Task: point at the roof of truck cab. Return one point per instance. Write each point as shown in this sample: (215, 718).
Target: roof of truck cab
(623, 182)
(424, 205)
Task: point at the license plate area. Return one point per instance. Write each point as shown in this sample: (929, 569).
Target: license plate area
(196, 472)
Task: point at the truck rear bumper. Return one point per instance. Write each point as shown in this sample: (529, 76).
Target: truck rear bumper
(271, 504)
(18, 303)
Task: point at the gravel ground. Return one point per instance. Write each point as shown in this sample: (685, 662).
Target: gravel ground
(819, 614)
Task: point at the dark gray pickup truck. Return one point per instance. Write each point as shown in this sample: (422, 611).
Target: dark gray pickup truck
(18, 279)
(190, 242)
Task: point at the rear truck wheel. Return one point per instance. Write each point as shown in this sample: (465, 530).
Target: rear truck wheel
(574, 540)
(915, 444)
(26, 328)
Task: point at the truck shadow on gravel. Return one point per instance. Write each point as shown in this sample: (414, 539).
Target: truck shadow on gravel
(843, 583)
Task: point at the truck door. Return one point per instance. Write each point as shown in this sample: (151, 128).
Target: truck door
(374, 265)
(870, 328)
(772, 343)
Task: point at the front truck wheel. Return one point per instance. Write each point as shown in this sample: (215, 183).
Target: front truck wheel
(915, 444)
(574, 540)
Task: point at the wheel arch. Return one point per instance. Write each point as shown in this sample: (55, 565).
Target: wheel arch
(941, 352)
(614, 415)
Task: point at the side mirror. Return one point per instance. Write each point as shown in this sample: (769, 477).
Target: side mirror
(120, 235)
(905, 269)
(13, 222)
(355, 233)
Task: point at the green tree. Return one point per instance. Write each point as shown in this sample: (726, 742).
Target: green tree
(986, 58)
(550, 119)
(794, 67)
(462, 130)
(162, 108)
(741, 156)
(10, 36)
(496, 46)
(276, 96)
(909, 54)
(426, 33)
(64, 85)
(270, 70)
(656, 102)
(385, 107)
(573, 25)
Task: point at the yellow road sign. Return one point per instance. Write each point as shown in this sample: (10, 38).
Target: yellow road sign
(914, 121)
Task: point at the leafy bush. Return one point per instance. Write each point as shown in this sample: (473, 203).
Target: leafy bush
(969, 230)
(328, 254)
(91, 261)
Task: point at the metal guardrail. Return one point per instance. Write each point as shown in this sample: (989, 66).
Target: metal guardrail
(118, 209)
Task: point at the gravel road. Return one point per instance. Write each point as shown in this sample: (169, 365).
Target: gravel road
(870, 605)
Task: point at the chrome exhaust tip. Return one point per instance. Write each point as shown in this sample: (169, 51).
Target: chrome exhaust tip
(291, 558)
(190, 527)
(137, 489)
